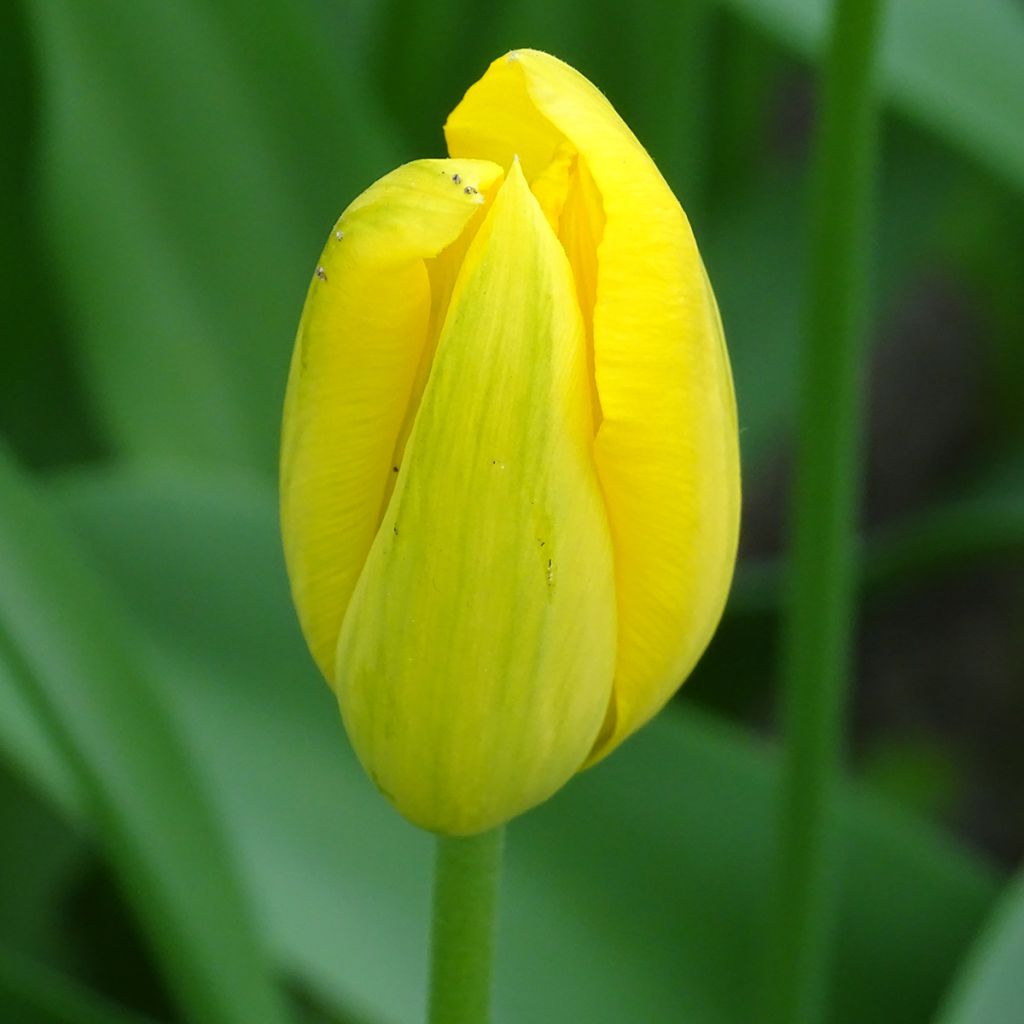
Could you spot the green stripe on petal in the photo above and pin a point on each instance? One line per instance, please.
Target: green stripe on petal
(476, 658)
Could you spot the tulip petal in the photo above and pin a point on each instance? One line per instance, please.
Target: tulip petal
(354, 373)
(666, 448)
(476, 658)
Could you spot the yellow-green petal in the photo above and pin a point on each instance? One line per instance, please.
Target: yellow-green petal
(476, 658)
(666, 448)
(353, 375)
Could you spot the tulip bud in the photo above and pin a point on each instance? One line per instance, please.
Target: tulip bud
(509, 469)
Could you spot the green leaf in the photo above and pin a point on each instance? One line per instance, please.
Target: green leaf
(39, 856)
(193, 158)
(28, 742)
(33, 994)
(636, 894)
(990, 986)
(64, 645)
(954, 68)
(34, 356)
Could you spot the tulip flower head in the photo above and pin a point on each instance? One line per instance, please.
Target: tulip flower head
(509, 469)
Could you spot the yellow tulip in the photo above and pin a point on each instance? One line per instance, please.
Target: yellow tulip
(509, 470)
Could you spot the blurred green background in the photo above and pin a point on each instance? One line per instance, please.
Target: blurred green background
(184, 828)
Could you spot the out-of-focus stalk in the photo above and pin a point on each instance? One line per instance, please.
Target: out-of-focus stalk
(819, 621)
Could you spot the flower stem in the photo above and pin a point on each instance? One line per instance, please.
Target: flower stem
(818, 628)
(466, 876)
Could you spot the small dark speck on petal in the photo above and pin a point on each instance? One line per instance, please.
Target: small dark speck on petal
(469, 190)
(457, 178)
(321, 273)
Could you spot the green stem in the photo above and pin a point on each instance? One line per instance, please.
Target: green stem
(818, 629)
(462, 939)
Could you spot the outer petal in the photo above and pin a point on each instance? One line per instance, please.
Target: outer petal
(354, 368)
(666, 449)
(476, 658)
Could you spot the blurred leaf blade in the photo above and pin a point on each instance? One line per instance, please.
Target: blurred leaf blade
(38, 859)
(28, 745)
(650, 907)
(957, 68)
(183, 209)
(950, 66)
(69, 649)
(990, 987)
(38, 362)
(37, 994)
